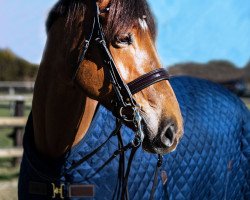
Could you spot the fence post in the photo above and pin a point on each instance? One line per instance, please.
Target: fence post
(12, 104)
(18, 131)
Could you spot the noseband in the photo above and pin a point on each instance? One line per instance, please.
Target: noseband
(122, 103)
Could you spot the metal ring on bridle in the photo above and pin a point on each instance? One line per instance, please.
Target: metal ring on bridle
(136, 142)
(124, 117)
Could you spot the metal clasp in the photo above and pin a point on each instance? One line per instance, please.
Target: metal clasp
(137, 121)
(57, 191)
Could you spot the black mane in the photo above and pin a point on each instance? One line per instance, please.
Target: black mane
(122, 15)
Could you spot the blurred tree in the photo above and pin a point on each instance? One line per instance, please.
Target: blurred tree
(14, 68)
(216, 70)
(247, 72)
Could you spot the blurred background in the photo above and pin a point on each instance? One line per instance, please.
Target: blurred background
(208, 39)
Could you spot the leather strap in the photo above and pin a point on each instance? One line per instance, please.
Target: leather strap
(148, 79)
(61, 191)
(81, 191)
(155, 181)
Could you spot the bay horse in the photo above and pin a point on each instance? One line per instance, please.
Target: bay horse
(97, 52)
(73, 147)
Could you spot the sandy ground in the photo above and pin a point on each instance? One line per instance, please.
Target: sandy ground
(8, 190)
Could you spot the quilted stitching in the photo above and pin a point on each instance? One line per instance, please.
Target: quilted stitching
(212, 160)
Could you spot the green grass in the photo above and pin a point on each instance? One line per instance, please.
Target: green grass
(4, 110)
(5, 140)
(7, 170)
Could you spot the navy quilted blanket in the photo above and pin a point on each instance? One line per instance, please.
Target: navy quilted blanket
(212, 160)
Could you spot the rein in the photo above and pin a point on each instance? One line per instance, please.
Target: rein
(121, 188)
(123, 101)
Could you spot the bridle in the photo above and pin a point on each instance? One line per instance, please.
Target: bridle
(122, 104)
(123, 92)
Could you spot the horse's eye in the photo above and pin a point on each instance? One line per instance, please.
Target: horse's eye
(123, 40)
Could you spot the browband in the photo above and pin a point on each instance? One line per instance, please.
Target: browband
(148, 79)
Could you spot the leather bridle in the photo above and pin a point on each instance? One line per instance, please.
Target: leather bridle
(123, 92)
(123, 101)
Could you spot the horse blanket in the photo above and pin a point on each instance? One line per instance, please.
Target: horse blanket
(212, 160)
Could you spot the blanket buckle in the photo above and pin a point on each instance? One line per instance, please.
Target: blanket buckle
(57, 191)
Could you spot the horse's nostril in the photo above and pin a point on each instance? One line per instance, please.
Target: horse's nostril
(167, 137)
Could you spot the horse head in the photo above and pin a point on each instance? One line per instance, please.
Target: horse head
(129, 32)
(103, 51)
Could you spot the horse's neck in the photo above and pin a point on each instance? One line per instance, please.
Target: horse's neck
(61, 115)
(61, 111)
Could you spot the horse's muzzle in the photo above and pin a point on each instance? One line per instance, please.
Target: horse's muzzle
(165, 141)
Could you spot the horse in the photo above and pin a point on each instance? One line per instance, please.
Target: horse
(76, 148)
(97, 53)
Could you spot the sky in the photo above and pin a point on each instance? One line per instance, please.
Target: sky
(188, 30)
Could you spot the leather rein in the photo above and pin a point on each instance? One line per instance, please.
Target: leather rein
(123, 101)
